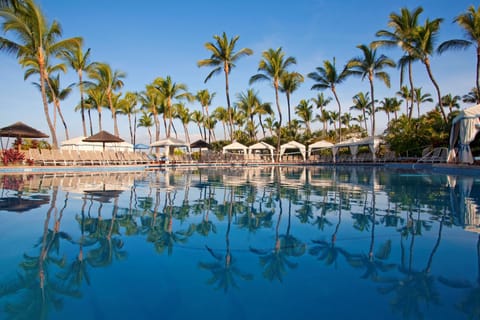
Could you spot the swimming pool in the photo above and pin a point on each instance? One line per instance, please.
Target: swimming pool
(240, 243)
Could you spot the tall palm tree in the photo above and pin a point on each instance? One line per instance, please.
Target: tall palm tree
(406, 94)
(109, 81)
(224, 58)
(328, 77)
(146, 122)
(247, 104)
(390, 105)
(289, 82)
(97, 99)
(183, 114)
(79, 62)
(362, 102)
(37, 40)
(470, 22)
(272, 68)
(425, 36)
(304, 110)
(404, 27)
(221, 114)
(198, 118)
(371, 66)
(127, 106)
(321, 101)
(55, 94)
(205, 98)
(169, 91)
(150, 100)
(420, 98)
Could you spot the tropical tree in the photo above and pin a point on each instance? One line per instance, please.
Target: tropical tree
(96, 99)
(451, 102)
(169, 91)
(420, 98)
(127, 106)
(36, 39)
(272, 68)
(247, 104)
(289, 82)
(323, 117)
(470, 22)
(151, 101)
(183, 114)
(79, 61)
(223, 58)
(371, 66)
(321, 101)
(472, 97)
(406, 94)
(205, 98)
(404, 27)
(198, 118)
(55, 94)
(328, 77)
(362, 102)
(109, 81)
(390, 105)
(221, 114)
(146, 122)
(304, 110)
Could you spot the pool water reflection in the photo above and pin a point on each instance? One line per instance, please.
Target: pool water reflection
(240, 243)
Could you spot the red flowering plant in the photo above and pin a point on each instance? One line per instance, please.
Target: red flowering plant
(11, 156)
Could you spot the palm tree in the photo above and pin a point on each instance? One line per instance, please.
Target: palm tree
(248, 104)
(472, 97)
(55, 94)
(424, 47)
(323, 117)
(198, 118)
(289, 82)
(223, 58)
(451, 102)
(221, 114)
(263, 108)
(369, 65)
(403, 35)
(151, 101)
(169, 91)
(146, 122)
(97, 99)
(37, 40)
(470, 22)
(205, 98)
(304, 111)
(183, 114)
(79, 62)
(362, 102)
(390, 105)
(320, 101)
(272, 68)
(109, 81)
(127, 106)
(406, 94)
(327, 77)
(420, 98)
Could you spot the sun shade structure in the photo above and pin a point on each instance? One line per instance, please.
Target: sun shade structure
(169, 144)
(465, 127)
(294, 145)
(373, 144)
(235, 146)
(78, 143)
(322, 144)
(21, 130)
(103, 137)
(262, 146)
(201, 144)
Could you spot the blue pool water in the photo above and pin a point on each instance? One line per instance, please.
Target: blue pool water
(240, 243)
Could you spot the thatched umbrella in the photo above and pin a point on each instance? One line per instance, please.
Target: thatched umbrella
(104, 137)
(21, 130)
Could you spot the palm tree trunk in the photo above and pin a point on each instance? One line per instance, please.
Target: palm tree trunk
(339, 114)
(157, 126)
(57, 106)
(114, 114)
(130, 127)
(426, 62)
(229, 107)
(373, 103)
(288, 106)
(90, 121)
(478, 73)
(99, 109)
(410, 79)
(277, 101)
(82, 103)
(43, 80)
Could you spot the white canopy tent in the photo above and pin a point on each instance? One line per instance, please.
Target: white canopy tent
(294, 145)
(262, 146)
(465, 127)
(322, 144)
(353, 144)
(235, 146)
(78, 144)
(170, 144)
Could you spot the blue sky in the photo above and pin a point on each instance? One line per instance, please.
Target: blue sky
(149, 38)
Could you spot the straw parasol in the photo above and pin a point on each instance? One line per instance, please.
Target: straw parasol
(201, 144)
(103, 137)
(21, 130)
